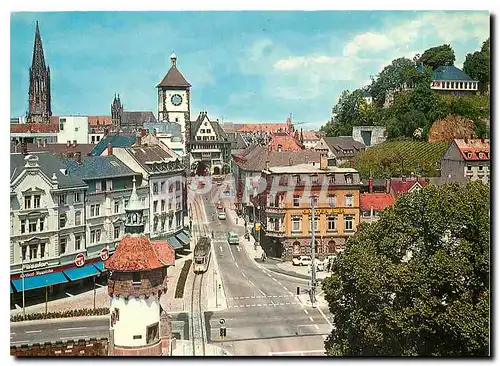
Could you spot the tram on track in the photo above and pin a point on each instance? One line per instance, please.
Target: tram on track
(202, 252)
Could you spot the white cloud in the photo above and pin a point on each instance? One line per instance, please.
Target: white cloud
(368, 41)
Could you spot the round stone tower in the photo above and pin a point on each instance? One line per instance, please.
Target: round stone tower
(137, 278)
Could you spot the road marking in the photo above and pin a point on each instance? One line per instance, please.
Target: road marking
(305, 311)
(284, 288)
(268, 275)
(250, 282)
(236, 264)
(262, 292)
(259, 304)
(78, 328)
(281, 303)
(316, 325)
(275, 296)
(295, 352)
(324, 316)
(274, 279)
(244, 275)
(311, 319)
(253, 305)
(12, 333)
(67, 293)
(74, 337)
(290, 293)
(220, 247)
(252, 297)
(238, 248)
(247, 306)
(33, 331)
(264, 304)
(306, 325)
(27, 342)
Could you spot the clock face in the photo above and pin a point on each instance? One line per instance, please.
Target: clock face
(176, 99)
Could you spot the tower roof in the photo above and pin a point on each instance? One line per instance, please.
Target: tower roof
(174, 78)
(38, 61)
(134, 201)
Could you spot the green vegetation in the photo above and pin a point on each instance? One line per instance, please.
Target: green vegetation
(415, 107)
(400, 157)
(60, 314)
(416, 283)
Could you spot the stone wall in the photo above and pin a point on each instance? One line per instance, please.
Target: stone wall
(152, 282)
(92, 347)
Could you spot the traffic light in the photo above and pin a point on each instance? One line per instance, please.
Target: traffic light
(222, 332)
(298, 290)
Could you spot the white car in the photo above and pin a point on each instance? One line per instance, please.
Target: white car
(303, 260)
(320, 265)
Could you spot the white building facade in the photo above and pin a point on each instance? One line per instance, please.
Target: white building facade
(73, 128)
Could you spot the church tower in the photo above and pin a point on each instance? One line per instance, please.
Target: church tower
(116, 113)
(39, 90)
(174, 100)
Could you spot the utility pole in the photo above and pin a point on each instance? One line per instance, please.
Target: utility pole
(254, 217)
(313, 255)
(22, 274)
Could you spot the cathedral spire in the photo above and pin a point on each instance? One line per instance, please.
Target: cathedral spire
(38, 62)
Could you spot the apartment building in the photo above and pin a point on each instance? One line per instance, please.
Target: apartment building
(287, 204)
(467, 159)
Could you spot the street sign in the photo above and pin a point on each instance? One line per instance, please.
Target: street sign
(222, 321)
(80, 260)
(104, 254)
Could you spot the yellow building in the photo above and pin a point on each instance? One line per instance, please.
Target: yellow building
(287, 210)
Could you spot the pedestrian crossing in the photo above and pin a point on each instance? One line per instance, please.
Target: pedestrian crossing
(259, 297)
(273, 304)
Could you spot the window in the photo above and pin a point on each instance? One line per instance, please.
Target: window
(126, 203)
(296, 202)
(331, 179)
(36, 203)
(332, 223)
(209, 130)
(162, 187)
(298, 181)
(62, 220)
(32, 226)
(155, 206)
(61, 126)
(33, 251)
(155, 188)
(316, 224)
(315, 201)
(78, 197)
(27, 202)
(116, 206)
(23, 226)
(348, 178)
(95, 236)
(162, 205)
(62, 245)
(348, 222)
(169, 204)
(136, 278)
(296, 247)
(480, 168)
(23, 252)
(332, 200)
(348, 200)
(62, 199)
(78, 218)
(469, 168)
(152, 334)
(170, 188)
(42, 221)
(78, 242)
(270, 199)
(177, 186)
(178, 203)
(314, 179)
(116, 232)
(295, 223)
(42, 250)
(95, 210)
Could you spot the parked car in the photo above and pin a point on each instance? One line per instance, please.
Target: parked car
(303, 260)
(320, 265)
(221, 215)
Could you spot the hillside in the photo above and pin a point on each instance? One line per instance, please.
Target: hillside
(389, 158)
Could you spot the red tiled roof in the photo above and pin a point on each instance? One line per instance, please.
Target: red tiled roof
(34, 128)
(164, 252)
(84, 149)
(134, 253)
(310, 135)
(399, 187)
(474, 149)
(262, 127)
(99, 120)
(287, 142)
(378, 201)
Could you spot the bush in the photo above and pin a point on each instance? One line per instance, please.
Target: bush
(181, 282)
(60, 314)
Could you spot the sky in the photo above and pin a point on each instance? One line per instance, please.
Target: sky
(243, 66)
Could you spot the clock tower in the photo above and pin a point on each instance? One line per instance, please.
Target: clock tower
(174, 104)
(134, 212)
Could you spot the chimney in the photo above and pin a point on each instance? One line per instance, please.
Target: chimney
(78, 156)
(138, 140)
(323, 162)
(74, 143)
(38, 142)
(352, 164)
(68, 143)
(45, 143)
(24, 148)
(110, 148)
(267, 165)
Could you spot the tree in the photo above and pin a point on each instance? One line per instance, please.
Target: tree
(416, 283)
(346, 113)
(395, 76)
(438, 56)
(477, 65)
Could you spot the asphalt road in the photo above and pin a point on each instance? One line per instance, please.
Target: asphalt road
(264, 315)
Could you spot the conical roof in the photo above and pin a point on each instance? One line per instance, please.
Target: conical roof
(174, 78)
(134, 203)
(38, 61)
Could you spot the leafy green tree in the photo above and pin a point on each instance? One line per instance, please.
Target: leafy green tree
(350, 110)
(477, 65)
(399, 73)
(416, 283)
(438, 56)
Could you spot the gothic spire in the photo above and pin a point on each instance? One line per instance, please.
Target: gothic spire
(38, 62)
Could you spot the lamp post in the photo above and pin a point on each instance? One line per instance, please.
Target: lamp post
(22, 280)
(313, 254)
(94, 288)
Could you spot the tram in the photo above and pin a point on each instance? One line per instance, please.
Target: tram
(201, 254)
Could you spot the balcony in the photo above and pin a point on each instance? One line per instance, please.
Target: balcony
(275, 233)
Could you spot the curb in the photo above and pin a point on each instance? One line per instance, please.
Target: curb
(59, 320)
(292, 274)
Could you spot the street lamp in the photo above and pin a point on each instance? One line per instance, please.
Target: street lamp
(313, 254)
(94, 287)
(22, 280)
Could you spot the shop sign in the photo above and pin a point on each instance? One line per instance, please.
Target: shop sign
(29, 266)
(318, 211)
(104, 254)
(37, 273)
(80, 260)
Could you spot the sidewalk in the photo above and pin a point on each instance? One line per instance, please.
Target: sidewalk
(184, 348)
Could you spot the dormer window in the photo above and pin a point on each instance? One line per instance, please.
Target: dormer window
(280, 148)
(348, 178)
